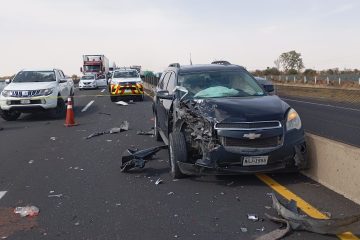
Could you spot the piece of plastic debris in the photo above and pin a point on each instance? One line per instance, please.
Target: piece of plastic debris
(108, 114)
(124, 126)
(51, 191)
(133, 158)
(237, 198)
(253, 217)
(170, 193)
(230, 183)
(53, 138)
(222, 193)
(76, 168)
(31, 161)
(27, 211)
(175, 215)
(267, 207)
(243, 229)
(297, 221)
(277, 233)
(109, 140)
(55, 195)
(260, 229)
(150, 132)
(77, 224)
(122, 103)
(159, 181)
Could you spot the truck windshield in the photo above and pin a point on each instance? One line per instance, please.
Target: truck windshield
(126, 74)
(92, 68)
(35, 76)
(220, 84)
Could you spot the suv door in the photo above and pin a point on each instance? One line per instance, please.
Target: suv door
(159, 107)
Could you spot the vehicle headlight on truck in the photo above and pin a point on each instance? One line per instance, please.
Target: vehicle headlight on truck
(293, 120)
(46, 92)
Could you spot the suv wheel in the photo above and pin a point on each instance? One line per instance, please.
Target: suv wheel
(177, 152)
(10, 115)
(59, 111)
(156, 131)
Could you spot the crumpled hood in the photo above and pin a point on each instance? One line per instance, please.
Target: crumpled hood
(122, 80)
(250, 109)
(14, 86)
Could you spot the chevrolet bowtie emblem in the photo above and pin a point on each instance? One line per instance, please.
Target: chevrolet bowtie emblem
(252, 136)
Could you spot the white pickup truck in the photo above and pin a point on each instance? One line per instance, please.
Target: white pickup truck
(34, 90)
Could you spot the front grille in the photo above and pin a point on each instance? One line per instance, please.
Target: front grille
(255, 143)
(249, 125)
(18, 102)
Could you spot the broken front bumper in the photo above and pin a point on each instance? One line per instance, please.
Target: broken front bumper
(126, 89)
(289, 157)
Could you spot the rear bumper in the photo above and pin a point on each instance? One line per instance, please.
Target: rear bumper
(134, 89)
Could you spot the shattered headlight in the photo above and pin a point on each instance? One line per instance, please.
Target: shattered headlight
(293, 120)
(6, 93)
(46, 92)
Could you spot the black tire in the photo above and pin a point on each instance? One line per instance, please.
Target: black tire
(113, 98)
(156, 131)
(10, 115)
(60, 109)
(177, 152)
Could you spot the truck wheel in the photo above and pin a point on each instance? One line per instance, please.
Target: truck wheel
(113, 99)
(10, 115)
(177, 152)
(156, 130)
(59, 111)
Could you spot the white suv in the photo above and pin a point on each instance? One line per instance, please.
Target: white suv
(36, 90)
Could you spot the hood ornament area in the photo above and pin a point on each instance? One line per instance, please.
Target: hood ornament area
(252, 136)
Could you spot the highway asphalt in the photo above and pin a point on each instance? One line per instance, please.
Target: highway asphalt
(335, 121)
(81, 193)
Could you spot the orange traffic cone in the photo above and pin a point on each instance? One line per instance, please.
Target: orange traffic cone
(70, 121)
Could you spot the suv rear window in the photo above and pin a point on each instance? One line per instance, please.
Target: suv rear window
(220, 84)
(35, 76)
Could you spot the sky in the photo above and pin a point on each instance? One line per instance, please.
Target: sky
(52, 33)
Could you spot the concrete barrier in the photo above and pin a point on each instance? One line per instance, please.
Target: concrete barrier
(335, 165)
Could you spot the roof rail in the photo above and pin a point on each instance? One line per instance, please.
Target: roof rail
(175, 65)
(221, 62)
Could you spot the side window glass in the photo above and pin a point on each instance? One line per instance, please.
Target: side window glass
(161, 81)
(171, 85)
(57, 73)
(166, 80)
(62, 74)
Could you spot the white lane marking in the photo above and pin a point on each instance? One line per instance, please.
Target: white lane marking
(103, 90)
(87, 106)
(2, 194)
(321, 104)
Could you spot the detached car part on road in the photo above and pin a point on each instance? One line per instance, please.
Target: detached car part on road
(126, 83)
(36, 90)
(218, 120)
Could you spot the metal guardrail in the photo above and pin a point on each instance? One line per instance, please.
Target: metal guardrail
(151, 80)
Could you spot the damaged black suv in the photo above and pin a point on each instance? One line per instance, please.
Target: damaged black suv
(217, 119)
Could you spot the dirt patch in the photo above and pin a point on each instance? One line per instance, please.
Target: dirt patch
(11, 223)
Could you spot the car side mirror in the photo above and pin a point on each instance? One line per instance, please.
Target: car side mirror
(181, 90)
(7, 81)
(164, 95)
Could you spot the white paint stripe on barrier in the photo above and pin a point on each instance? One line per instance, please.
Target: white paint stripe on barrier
(87, 106)
(2, 194)
(321, 104)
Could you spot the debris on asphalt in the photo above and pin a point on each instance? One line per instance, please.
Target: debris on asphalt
(55, 195)
(230, 183)
(253, 217)
(170, 193)
(77, 224)
(124, 126)
(103, 113)
(122, 103)
(31, 161)
(150, 132)
(298, 221)
(268, 207)
(53, 138)
(159, 181)
(134, 158)
(27, 211)
(243, 229)
(277, 233)
(260, 229)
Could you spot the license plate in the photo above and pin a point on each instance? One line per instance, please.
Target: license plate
(255, 160)
(25, 101)
(128, 91)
